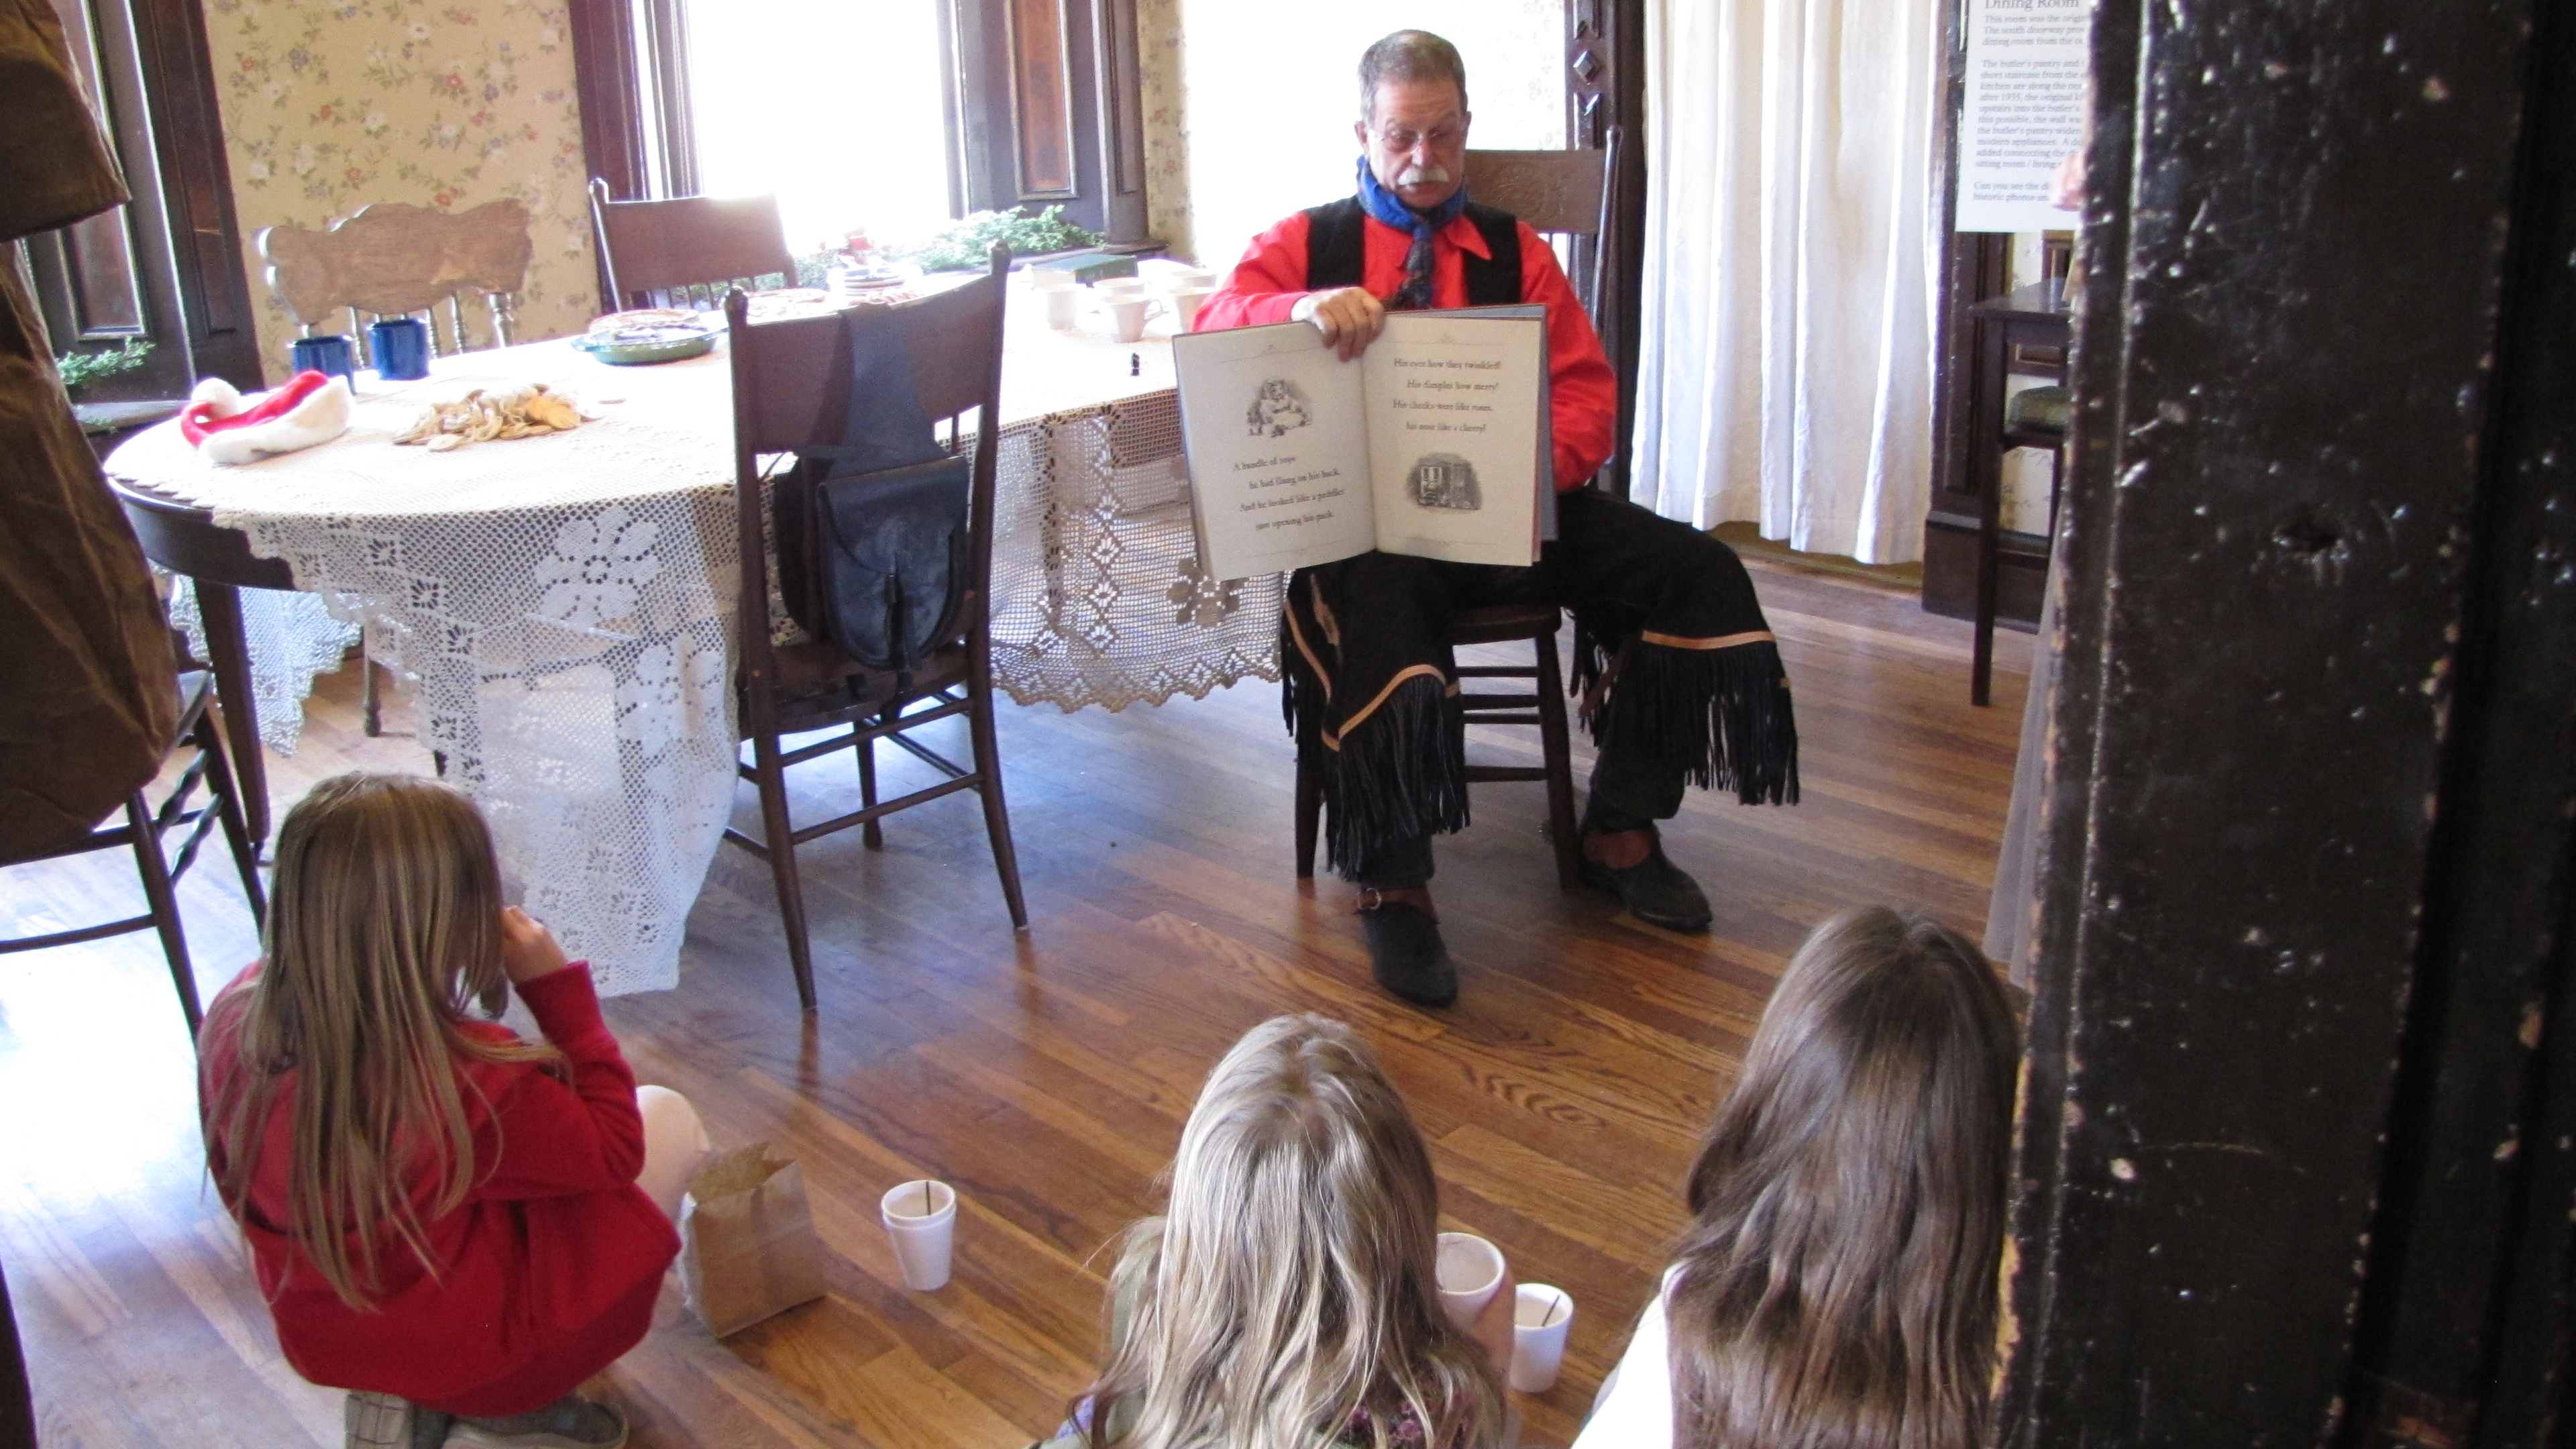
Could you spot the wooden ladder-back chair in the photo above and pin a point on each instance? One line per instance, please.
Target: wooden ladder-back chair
(392, 259)
(678, 252)
(791, 382)
(145, 833)
(1562, 193)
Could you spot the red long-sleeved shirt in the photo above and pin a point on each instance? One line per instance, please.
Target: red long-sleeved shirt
(548, 1269)
(1583, 414)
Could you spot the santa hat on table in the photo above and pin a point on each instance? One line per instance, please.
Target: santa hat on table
(229, 428)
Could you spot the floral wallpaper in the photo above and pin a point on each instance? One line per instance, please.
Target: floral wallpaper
(330, 105)
(1167, 132)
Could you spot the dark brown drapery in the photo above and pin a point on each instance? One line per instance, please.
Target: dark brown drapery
(87, 700)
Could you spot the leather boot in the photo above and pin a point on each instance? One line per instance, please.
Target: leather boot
(1405, 951)
(1654, 890)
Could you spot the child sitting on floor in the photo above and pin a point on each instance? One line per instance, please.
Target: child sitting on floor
(1837, 1284)
(457, 1226)
(1286, 1298)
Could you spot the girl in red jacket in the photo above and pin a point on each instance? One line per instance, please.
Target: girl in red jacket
(455, 1225)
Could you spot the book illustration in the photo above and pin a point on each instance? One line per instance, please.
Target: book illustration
(1279, 406)
(1432, 442)
(1445, 480)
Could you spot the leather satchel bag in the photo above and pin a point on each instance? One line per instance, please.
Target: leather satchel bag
(872, 532)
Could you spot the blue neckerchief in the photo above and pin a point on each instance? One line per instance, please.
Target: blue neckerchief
(1387, 207)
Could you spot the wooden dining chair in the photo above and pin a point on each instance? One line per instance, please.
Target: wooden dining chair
(392, 259)
(791, 384)
(1557, 193)
(686, 251)
(145, 832)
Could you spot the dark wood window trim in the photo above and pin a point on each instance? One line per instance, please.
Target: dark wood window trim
(630, 60)
(1045, 105)
(166, 267)
(1605, 86)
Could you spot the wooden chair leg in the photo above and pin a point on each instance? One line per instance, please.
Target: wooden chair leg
(227, 806)
(1310, 809)
(219, 609)
(869, 834)
(370, 701)
(780, 836)
(1559, 756)
(988, 765)
(155, 870)
(227, 803)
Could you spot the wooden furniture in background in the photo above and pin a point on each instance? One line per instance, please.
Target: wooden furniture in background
(145, 832)
(1543, 708)
(166, 268)
(791, 390)
(2025, 333)
(218, 562)
(1046, 1073)
(671, 253)
(1605, 97)
(1046, 106)
(1557, 194)
(394, 259)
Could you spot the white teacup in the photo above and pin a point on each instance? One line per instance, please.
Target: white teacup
(1064, 305)
(1186, 302)
(1050, 279)
(1115, 287)
(1127, 316)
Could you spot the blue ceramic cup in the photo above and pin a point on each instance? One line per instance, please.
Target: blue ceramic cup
(401, 346)
(332, 355)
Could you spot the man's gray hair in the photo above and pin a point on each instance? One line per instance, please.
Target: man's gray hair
(1409, 55)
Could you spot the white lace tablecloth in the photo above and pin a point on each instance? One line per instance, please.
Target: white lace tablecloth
(564, 604)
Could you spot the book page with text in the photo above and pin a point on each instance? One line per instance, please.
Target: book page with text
(1278, 454)
(1453, 432)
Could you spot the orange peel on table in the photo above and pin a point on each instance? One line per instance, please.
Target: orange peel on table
(482, 417)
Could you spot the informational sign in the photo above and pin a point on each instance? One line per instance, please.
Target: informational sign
(2023, 113)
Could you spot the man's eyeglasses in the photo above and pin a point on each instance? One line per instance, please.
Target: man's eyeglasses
(1440, 138)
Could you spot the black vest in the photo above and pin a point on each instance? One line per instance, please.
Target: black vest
(1334, 256)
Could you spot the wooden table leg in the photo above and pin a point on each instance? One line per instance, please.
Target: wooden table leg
(219, 606)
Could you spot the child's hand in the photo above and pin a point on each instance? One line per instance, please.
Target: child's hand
(1493, 1325)
(528, 949)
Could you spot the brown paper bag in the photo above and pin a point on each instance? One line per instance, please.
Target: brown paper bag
(747, 1244)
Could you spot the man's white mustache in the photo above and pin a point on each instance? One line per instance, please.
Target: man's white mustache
(1423, 176)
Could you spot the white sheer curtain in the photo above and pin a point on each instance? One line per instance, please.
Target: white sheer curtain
(1786, 375)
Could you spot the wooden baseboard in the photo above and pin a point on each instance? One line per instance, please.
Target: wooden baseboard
(1746, 538)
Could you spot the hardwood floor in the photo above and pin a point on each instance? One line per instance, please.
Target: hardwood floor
(1045, 1075)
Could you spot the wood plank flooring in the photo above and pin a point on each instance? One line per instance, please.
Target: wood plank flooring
(1045, 1075)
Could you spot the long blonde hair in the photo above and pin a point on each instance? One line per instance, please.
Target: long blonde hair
(1290, 1282)
(1837, 1287)
(384, 923)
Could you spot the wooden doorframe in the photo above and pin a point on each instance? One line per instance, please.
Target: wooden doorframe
(1605, 86)
(630, 65)
(2298, 1147)
(172, 256)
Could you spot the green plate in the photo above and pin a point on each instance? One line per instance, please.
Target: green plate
(640, 346)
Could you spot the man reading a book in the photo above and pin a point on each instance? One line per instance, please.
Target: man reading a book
(1680, 676)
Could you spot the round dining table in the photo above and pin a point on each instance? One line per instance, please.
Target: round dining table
(563, 605)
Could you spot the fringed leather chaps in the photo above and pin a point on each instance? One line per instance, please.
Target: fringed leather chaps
(1675, 663)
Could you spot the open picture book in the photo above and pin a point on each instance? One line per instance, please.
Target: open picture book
(1434, 441)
